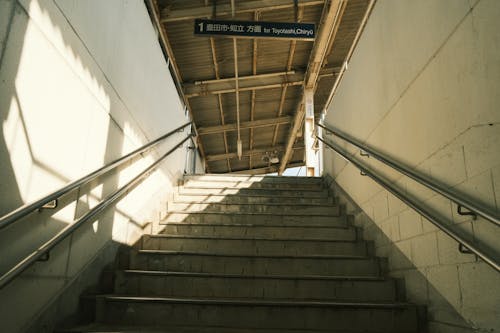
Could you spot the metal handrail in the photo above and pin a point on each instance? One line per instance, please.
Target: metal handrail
(26, 209)
(461, 202)
(62, 234)
(490, 260)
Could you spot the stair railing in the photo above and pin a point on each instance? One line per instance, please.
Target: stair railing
(461, 202)
(42, 253)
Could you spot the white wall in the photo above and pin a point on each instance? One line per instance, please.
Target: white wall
(81, 84)
(423, 87)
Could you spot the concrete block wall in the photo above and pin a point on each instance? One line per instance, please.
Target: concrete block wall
(81, 84)
(422, 87)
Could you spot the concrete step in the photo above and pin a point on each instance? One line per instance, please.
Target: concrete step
(255, 208)
(211, 262)
(253, 192)
(201, 183)
(262, 246)
(260, 230)
(107, 328)
(247, 313)
(245, 199)
(181, 284)
(254, 178)
(255, 218)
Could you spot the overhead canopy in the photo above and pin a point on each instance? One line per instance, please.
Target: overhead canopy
(252, 88)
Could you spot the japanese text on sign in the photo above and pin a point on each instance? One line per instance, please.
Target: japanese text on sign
(304, 31)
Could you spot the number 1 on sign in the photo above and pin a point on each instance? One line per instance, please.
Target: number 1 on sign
(201, 26)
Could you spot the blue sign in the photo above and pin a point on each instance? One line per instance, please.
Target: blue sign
(255, 29)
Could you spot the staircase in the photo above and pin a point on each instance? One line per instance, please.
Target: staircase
(253, 254)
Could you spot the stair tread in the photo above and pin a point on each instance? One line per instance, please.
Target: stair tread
(262, 195)
(211, 187)
(314, 204)
(256, 225)
(255, 301)
(255, 192)
(106, 328)
(277, 239)
(203, 253)
(239, 276)
(176, 211)
(222, 203)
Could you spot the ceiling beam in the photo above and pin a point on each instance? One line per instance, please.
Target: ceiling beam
(291, 53)
(330, 20)
(244, 125)
(245, 83)
(265, 170)
(191, 9)
(247, 153)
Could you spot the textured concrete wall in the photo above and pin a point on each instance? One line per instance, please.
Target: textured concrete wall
(423, 88)
(81, 84)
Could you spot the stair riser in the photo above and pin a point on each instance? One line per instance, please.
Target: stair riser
(250, 232)
(272, 220)
(161, 314)
(253, 185)
(255, 265)
(254, 192)
(239, 199)
(255, 209)
(182, 286)
(251, 247)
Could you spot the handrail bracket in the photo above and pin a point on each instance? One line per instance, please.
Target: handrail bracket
(463, 249)
(462, 212)
(45, 257)
(50, 205)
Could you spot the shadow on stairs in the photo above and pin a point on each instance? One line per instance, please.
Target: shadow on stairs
(252, 254)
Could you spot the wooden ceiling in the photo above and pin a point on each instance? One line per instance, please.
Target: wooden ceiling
(263, 106)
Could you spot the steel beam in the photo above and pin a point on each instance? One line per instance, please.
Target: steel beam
(244, 125)
(330, 20)
(245, 83)
(266, 170)
(246, 153)
(191, 9)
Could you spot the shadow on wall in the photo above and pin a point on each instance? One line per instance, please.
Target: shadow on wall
(450, 283)
(33, 135)
(56, 126)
